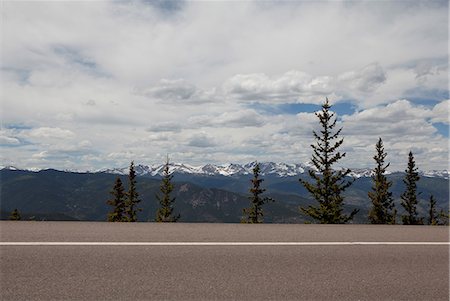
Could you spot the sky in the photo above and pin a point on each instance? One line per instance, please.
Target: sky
(90, 85)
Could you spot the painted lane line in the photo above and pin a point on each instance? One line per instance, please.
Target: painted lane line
(79, 243)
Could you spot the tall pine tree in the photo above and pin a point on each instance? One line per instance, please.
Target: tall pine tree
(329, 184)
(118, 203)
(433, 219)
(409, 197)
(382, 200)
(132, 196)
(254, 214)
(166, 202)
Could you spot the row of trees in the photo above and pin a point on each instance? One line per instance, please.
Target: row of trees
(124, 203)
(329, 184)
(327, 187)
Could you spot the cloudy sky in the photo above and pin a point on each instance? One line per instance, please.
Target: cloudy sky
(90, 85)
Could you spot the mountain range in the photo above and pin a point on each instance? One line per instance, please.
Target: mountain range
(228, 170)
(234, 170)
(209, 193)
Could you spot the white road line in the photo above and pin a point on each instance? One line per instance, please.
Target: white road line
(324, 243)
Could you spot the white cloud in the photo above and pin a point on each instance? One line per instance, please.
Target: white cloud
(178, 91)
(49, 132)
(40, 155)
(5, 140)
(142, 80)
(127, 155)
(238, 119)
(207, 42)
(367, 86)
(397, 112)
(85, 144)
(293, 86)
(165, 127)
(441, 111)
(400, 121)
(403, 127)
(367, 79)
(201, 140)
(90, 102)
(234, 117)
(172, 90)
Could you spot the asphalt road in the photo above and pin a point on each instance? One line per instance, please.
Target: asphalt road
(222, 272)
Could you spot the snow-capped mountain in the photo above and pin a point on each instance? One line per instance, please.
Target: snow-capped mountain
(228, 170)
(435, 174)
(362, 172)
(232, 169)
(279, 169)
(10, 167)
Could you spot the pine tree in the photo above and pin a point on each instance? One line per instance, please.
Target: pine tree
(329, 183)
(443, 217)
(15, 215)
(118, 203)
(409, 197)
(254, 214)
(132, 196)
(433, 219)
(382, 200)
(394, 216)
(166, 202)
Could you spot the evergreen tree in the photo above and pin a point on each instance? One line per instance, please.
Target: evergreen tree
(15, 215)
(166, 202)
(394, 216)
(443, 217)
(432, 217)
(118, 203)
(409, 197)
(382, 200)
(254, 214)
(329, 184)
(132, 196)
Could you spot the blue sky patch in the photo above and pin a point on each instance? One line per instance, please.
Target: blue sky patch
(23, 75)
(428, 102)
(166, 6)
(21, 142)
(342, 108)
(426, 97)
(442, 128)
(75, 57)
(13, 126)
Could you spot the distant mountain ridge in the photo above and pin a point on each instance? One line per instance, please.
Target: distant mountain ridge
(234, 170)
(62, 195)
(227, 170)
(267, 168)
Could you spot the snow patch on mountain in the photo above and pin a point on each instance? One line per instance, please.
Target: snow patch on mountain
(235, 170)
(227, 170)
(435, 174)
(361, 173)
(10, 167)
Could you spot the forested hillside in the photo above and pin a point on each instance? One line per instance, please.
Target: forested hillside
(58, 195)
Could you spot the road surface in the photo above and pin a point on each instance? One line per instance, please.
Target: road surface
(148, 261)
